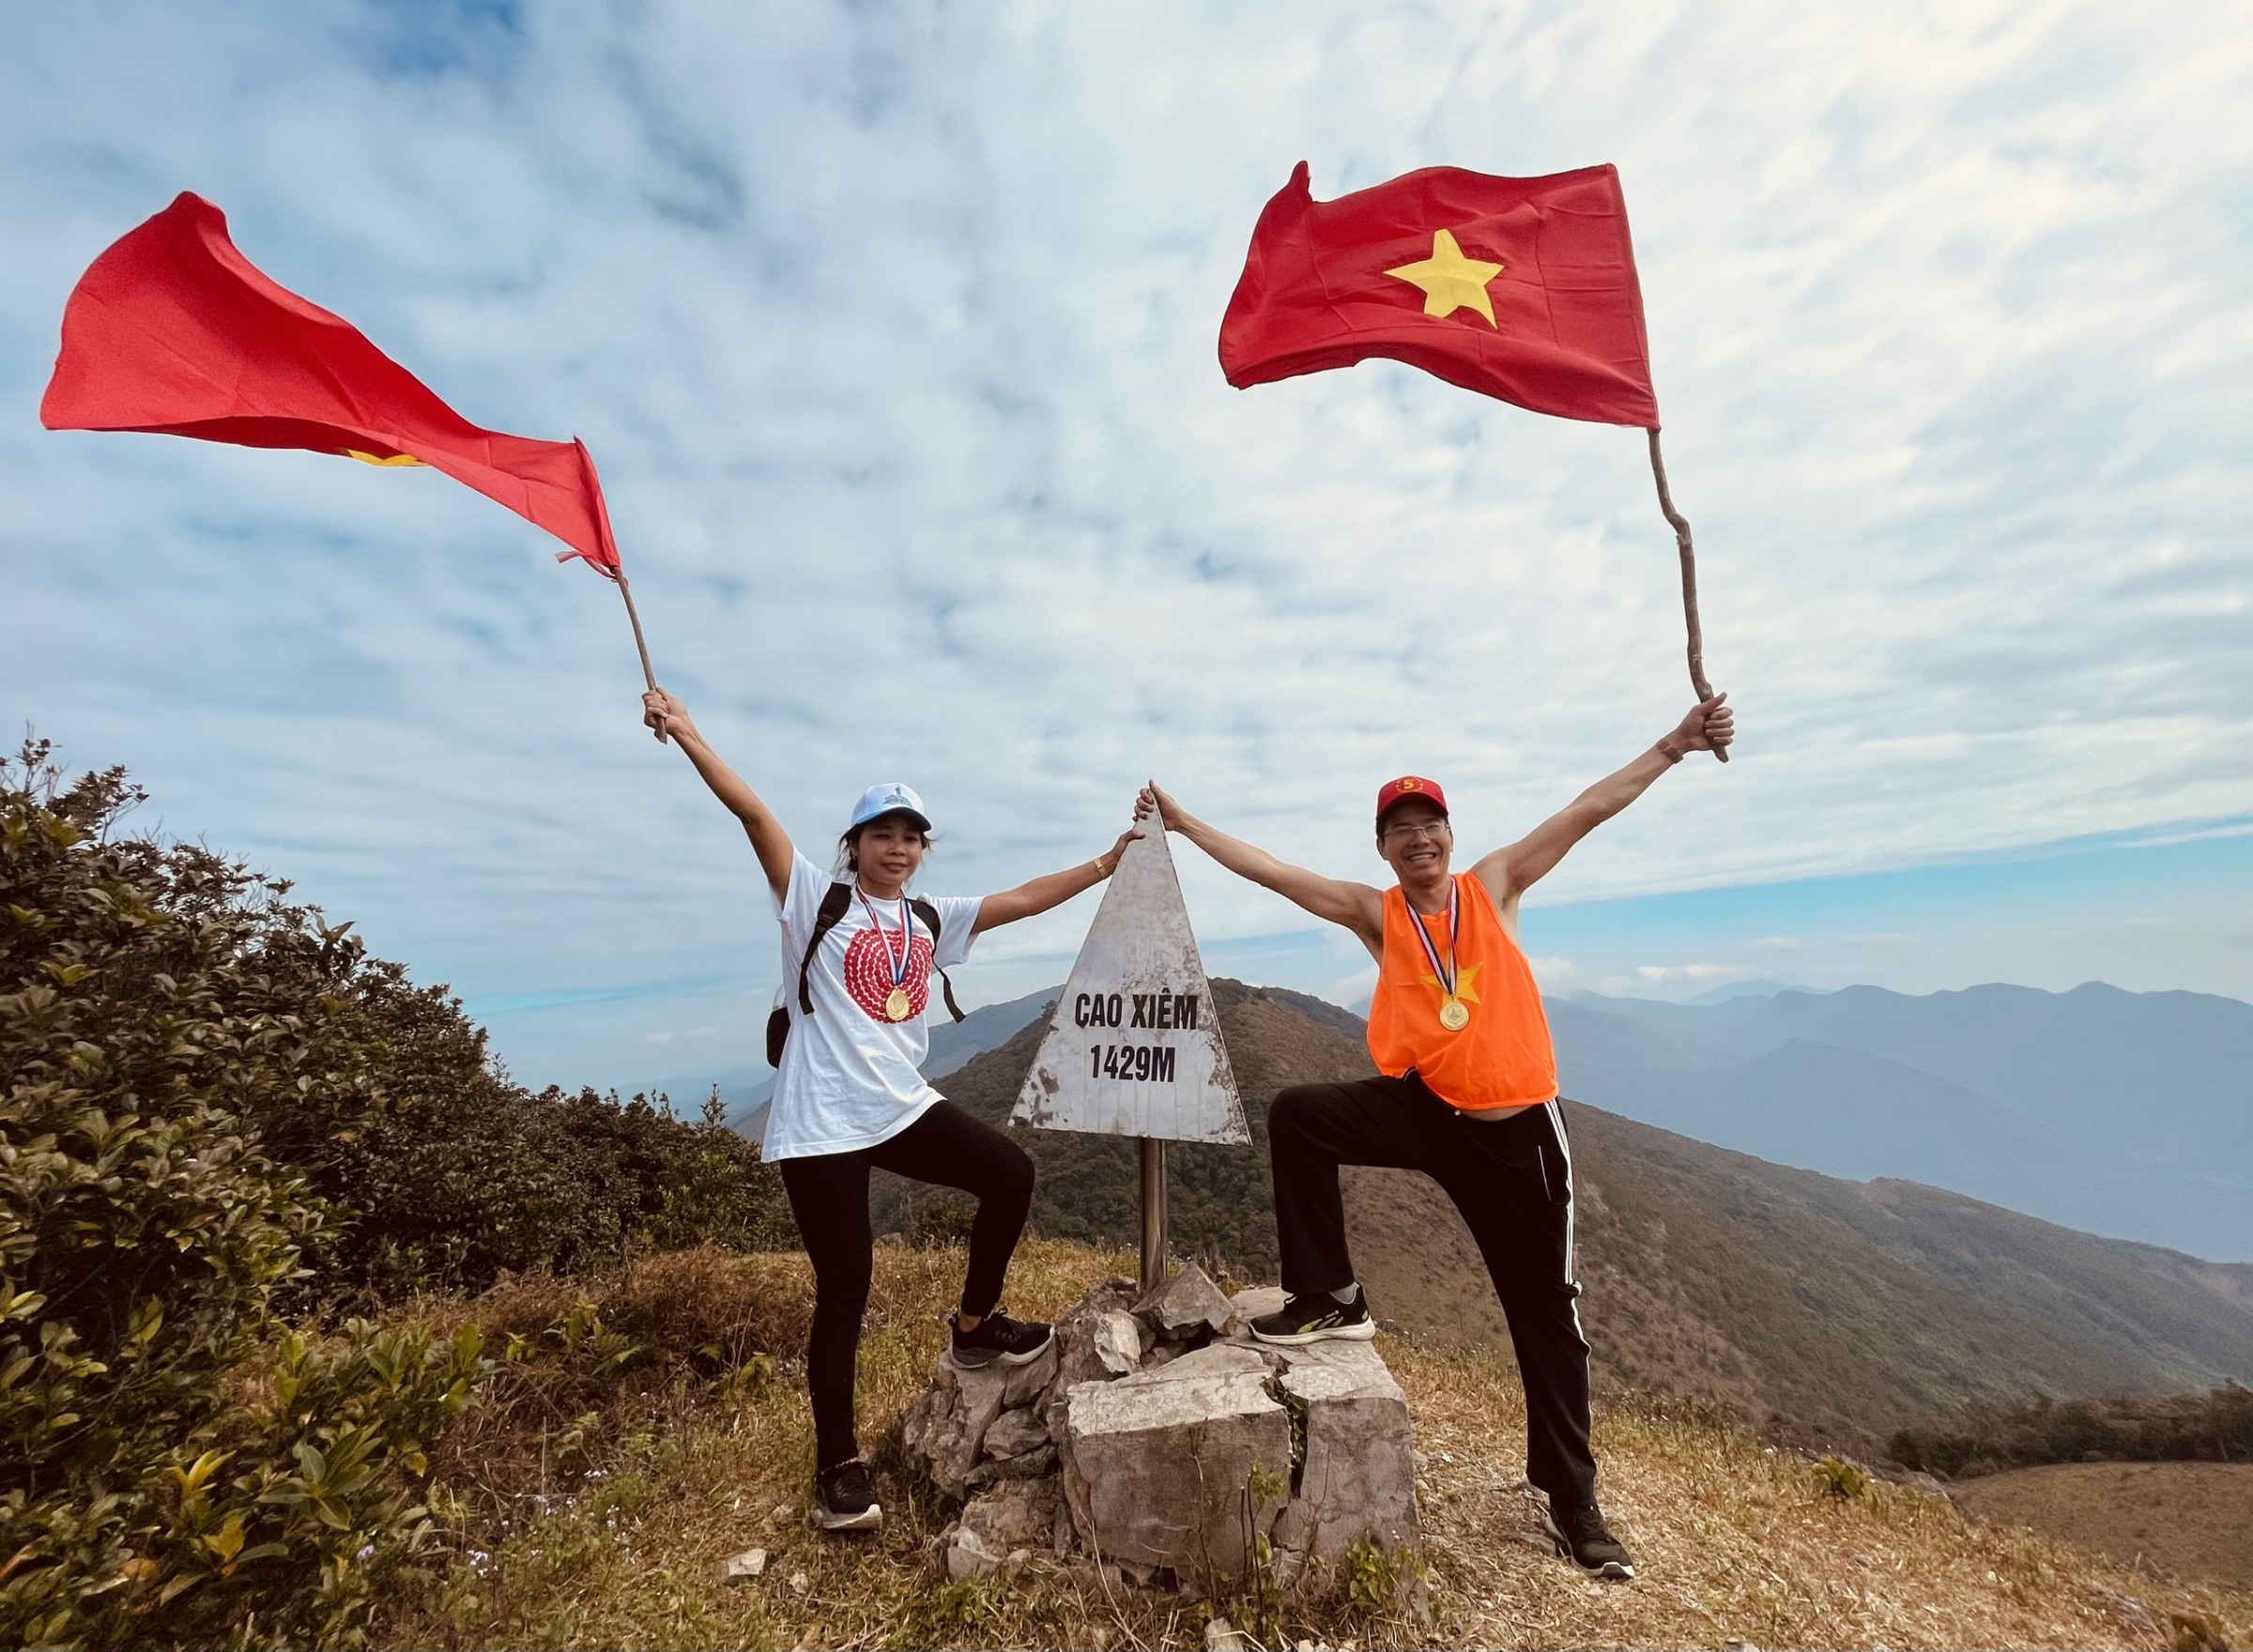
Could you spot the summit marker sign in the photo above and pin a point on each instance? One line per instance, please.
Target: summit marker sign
(1133, 1047)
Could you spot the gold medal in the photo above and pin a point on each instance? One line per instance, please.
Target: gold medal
(1454, 1015)
(896, 1007)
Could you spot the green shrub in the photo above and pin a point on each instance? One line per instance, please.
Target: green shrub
(216, 1106)
(313, 1495)
(459, 1186)
(154, 1003)
(1835, 1476)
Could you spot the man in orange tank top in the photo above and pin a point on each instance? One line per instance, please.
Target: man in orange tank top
(1467, 1095)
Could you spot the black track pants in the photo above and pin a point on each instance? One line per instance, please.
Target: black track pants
(1512, 1181)
(829, 1196)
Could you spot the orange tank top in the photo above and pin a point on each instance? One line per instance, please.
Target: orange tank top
(1502, 1057)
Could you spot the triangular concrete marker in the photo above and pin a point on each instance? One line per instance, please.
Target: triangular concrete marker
(1134, 1046)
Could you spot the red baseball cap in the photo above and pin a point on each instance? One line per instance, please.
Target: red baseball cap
(1406, 786)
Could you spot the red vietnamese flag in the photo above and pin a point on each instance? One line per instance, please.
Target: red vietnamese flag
(174, 330)
(1520, 288)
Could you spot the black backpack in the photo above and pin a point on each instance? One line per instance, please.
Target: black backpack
(833, 906)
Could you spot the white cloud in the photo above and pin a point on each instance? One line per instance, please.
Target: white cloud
(892, 330)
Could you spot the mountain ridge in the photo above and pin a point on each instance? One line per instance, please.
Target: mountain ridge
(2035, 1100)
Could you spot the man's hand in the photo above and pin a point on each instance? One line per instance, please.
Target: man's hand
(1153, 802)
(1707, 727)
(666, 714)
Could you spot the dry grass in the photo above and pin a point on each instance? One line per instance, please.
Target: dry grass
(2194, 1519)
(1735, 1540)
(597, 1509)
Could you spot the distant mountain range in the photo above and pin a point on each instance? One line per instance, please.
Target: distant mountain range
(1823, 1308)
(2122, 1113)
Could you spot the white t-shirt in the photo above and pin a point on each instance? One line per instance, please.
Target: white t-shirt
(848, 1076)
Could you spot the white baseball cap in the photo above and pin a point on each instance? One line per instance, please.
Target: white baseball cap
(887, 798)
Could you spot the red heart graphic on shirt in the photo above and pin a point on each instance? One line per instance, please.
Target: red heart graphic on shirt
(868, 972)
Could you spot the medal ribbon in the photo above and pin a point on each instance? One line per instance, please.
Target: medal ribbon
(907, 938)
(1446, 977)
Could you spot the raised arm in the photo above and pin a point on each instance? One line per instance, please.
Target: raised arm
(1508, 872)
(1357, 905)
(1032, 898)
(772, 844)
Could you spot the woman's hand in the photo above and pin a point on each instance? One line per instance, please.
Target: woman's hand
(1110, 861)
(1707, 727)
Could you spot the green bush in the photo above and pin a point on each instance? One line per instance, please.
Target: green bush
(156, 1005)
(312, 1496)
(458, 1187)
(216, 1108)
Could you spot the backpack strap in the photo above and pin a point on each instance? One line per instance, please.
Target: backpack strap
(929, 914)
(835, 904)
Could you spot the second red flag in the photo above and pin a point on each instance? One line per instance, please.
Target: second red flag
(1519, 288)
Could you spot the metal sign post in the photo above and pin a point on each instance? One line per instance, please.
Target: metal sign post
(1134, 1046)
(1154, 1213)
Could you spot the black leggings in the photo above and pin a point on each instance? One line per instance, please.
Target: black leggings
(829, 1196)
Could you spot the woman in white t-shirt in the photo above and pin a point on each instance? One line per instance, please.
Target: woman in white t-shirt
(848, 1096)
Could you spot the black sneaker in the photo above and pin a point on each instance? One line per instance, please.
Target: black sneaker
(997, 1338)
(1318, 1318)
(1590, 1542)
(845, 1499)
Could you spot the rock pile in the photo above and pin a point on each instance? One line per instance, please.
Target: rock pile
(1158, 1437)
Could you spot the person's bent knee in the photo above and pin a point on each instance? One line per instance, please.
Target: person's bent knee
(1294, 1108)
(1014, 1174)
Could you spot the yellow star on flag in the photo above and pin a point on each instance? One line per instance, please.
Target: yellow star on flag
(1450, 281)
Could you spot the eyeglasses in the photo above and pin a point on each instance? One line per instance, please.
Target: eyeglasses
(1409, 831)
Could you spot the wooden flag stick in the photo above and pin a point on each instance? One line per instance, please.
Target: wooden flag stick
(641, 646)
(1689, 554)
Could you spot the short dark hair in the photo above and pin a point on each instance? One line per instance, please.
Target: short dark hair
(849, 845)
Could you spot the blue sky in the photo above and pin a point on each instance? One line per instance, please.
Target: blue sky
(891, 327)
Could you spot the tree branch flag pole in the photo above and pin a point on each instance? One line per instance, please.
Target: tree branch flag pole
(171, 330)
(1688, 553)
(1522, 289)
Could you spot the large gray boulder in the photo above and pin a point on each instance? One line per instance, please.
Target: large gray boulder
(1358, 1480)
(1183, 1467)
